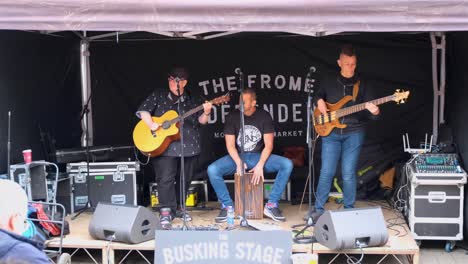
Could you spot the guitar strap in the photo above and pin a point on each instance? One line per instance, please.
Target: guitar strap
(356, 90)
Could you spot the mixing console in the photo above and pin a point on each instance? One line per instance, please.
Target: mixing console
(437, 163)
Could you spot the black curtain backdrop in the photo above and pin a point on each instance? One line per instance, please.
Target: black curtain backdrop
(457, 92)
(276, 66)
(39, 83)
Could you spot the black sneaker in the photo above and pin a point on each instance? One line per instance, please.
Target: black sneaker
(308, 214)
(165, 218)
(222, 216)
(316, 215)
(180, 214)
(274, 213)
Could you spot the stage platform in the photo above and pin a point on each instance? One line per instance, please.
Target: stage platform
(400, 246)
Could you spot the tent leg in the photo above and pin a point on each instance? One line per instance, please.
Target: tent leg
(87, 120)
(438, 43)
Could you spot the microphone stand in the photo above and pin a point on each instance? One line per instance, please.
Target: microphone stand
(243, 221)
(89, 204)
(311, 141)
(9, 146)
(182, 160)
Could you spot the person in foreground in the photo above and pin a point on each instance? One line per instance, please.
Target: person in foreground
(344, 143)
(258, 138)
(15, 248)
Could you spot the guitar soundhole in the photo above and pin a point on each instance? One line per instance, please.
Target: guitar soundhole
(166, 125)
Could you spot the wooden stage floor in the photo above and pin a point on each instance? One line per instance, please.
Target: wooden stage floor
(400, 244)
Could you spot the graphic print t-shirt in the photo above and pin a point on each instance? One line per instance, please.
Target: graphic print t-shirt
(255, 126)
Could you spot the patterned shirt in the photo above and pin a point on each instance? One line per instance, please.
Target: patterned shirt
(161, 101)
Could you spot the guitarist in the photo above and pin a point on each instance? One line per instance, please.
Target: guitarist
(342, 142)
(167, 166)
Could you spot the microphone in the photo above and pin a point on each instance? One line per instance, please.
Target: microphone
(238, 71)
(177, 79)
(312, 69)
(309, 79)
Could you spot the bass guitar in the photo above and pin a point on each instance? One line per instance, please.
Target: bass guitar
(154, 143)
(324, 124)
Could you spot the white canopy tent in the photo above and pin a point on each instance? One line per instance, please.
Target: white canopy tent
(309, 16)
(205, 19)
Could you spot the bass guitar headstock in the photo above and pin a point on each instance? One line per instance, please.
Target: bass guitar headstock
(400, 96)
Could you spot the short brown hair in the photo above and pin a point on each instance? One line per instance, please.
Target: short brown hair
(348, 50)
(250, 91)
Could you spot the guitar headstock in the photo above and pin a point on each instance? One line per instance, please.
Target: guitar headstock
(400, 96)
(222, 99)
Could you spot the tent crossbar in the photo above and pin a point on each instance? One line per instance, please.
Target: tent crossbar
(112, 34)
(315, 34)
(194, 33)
(174, 34)
(220, 34)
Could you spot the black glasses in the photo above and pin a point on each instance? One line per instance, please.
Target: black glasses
(173, 79)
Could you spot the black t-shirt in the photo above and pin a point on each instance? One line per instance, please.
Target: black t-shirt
(256, 126)
(333, 87)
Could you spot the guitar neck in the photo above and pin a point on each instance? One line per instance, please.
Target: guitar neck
(359, 107)
(186, 114)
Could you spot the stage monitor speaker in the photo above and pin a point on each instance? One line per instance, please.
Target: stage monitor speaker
(352, 228)
(124, 223)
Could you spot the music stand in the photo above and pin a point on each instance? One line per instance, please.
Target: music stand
(89, 204)
(311, 141)
(243, 220)
(182, 191)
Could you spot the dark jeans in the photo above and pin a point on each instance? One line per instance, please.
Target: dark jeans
(167, 170)
(348, 146)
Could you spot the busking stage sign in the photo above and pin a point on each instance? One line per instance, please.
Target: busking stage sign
(249, 247)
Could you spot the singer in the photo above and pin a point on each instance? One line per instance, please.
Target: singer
(166, 167)
(347, 142)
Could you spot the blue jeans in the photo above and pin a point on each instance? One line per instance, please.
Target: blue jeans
(348, 146)
(226, 166)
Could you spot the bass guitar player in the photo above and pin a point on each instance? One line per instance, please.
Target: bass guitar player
(346, 139)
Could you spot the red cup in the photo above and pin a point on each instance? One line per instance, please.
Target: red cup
(27, 156)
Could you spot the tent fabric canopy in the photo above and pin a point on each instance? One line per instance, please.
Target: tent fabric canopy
(301, 16)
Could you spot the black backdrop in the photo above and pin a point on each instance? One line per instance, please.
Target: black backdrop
(126, 72)
(457, 91)
(40, 84)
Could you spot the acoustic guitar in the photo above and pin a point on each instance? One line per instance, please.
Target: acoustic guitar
(154, 143)
(324, 124)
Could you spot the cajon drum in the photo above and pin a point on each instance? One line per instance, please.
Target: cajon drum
(253, 197)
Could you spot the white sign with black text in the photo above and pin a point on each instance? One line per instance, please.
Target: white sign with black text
(249, 247)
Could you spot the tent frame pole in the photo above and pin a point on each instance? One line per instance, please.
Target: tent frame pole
(438, 68)
(87, 121)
